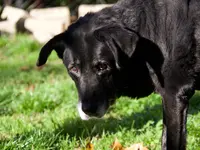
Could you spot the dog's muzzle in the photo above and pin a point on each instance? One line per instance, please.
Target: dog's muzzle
(99, 113)
(81, 113)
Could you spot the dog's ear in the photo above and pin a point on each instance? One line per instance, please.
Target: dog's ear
(118, 38)
(57, 44)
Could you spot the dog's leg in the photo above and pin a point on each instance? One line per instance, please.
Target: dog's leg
(175, 106)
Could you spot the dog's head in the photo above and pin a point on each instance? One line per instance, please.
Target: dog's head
(91, 56)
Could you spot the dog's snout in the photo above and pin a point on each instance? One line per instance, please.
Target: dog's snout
(89, 109)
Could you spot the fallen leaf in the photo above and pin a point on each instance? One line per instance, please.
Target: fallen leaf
(116, 145)
(30, 88)
(25, 68)
(89, 146)
(138, 146)
(40, 67)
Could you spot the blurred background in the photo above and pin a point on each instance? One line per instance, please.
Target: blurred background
(72, 4)
(44, 18)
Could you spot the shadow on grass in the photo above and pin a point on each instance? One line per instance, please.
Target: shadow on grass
(83, 129)
(194, 107)
(76, 128)
(35, 138)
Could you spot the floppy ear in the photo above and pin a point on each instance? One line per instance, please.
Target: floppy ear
(57, 44)
(118, 38)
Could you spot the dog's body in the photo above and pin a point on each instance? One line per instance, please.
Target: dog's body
(134, 48)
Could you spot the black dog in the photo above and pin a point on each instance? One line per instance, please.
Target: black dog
(132, 49)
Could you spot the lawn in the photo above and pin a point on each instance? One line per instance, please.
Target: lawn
(38, 108)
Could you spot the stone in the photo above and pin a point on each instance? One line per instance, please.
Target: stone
(84, 9)
(13, 14)
(56, 13)
(48, 22)
(42, 37)
(7, 27)
(42, 23)
(52, 26)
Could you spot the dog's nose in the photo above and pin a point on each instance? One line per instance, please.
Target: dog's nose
(89, 109)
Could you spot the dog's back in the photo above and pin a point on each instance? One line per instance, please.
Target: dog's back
(174, 25)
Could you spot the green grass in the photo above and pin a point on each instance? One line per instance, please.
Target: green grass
(38, 108)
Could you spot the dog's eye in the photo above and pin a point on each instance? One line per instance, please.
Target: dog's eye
(101, 67)
(75, 70)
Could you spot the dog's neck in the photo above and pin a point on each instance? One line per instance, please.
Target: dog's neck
(154, 59)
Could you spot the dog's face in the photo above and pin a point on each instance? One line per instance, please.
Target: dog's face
(91, 65)
(92, 59)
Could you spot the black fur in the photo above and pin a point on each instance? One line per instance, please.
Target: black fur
(134, 48)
